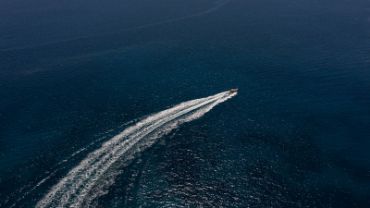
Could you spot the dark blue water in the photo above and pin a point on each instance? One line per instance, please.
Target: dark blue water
(297, 135)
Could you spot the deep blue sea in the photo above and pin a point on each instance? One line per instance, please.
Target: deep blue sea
(73, 74)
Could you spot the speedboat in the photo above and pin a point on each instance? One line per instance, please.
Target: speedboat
(233, 90)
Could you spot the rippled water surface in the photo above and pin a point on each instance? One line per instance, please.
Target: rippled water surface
(73, 74)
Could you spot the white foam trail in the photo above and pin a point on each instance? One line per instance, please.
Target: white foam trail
(75, 189)
(59, 166)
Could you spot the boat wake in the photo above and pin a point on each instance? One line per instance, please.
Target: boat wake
(94, 174)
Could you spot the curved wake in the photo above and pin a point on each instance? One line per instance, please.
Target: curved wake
(94, 174)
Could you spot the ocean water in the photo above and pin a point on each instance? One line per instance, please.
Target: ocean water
(73, 74)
